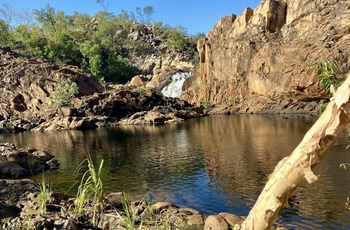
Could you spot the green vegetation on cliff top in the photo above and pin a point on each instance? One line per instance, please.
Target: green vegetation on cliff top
(103, 44)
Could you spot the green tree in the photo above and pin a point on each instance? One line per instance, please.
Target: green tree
(176, 41)
(29, 39)
(93, 60)
(198, 36)
(5, 35)
(145, 15)
(60, 46)
(148, 11)
(120, 69)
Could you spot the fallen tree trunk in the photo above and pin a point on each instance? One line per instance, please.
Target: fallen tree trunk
(291, 170)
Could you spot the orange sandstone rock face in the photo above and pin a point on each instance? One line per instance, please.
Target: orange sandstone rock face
(266, 54)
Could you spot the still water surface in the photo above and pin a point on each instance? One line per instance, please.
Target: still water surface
(212, 164)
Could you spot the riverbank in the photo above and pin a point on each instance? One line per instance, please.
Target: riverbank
(26, 204)
(212, 164)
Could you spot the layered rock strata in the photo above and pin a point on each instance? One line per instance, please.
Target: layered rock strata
(266, 53)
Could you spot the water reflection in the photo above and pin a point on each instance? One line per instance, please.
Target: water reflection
(212, 164)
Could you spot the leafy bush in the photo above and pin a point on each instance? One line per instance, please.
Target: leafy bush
(100, 43)
(175, 41)
(64, 91)
(205, 104)
(330, 74)
(120, 70)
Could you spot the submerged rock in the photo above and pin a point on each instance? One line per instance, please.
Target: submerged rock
(19, 163)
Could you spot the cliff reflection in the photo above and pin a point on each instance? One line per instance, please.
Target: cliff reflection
(243, 150)
(213, 164)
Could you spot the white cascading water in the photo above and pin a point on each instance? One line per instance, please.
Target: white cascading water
(174, 89)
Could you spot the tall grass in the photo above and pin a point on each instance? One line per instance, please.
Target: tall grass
(90, 190)
(44, 193)
(128, 219)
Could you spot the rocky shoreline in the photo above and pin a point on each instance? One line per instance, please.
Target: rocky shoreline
(26, 204)
(122, 106)
(29, 85)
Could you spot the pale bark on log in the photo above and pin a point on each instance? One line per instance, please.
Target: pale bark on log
(291, 170)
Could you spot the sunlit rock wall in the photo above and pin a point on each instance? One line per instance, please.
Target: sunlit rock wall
(268, 51)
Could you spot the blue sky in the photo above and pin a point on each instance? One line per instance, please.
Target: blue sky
(195, 15)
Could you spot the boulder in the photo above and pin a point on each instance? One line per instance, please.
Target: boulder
(18, 163)
(161, 206)
(12, 170)
(216, 222)
(232, 219)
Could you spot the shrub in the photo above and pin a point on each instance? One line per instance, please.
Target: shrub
(329, 73)
(176, 41)
(64, 91)
(205, 104)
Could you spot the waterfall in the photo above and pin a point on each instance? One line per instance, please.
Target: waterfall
(174, 89)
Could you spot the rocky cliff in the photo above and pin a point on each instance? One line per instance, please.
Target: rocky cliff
(158, 60)
(28, 86)
(260, 60)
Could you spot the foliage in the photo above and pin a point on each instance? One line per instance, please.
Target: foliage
(176, 38)
(205, 104)
(103, 82)
(44, 193)
(145, 15)
(92, 52)
(100, 43)
(194, 40)
(322, 107)
(31, 163)
(64, 91)
(90, 188)
(176, 41)
(102, 3)
(5, 33)
(129, 218)
(120, 69)
(330, 74)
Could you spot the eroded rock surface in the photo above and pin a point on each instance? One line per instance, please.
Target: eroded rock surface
(28, 85)
(267, 52)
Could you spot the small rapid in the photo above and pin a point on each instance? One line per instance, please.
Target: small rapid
(174, 89)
